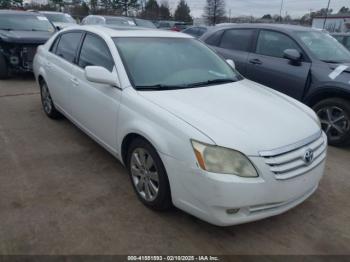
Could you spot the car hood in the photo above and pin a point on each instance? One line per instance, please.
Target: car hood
(25, 37)
(243, 115)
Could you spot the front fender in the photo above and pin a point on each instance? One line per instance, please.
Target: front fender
(166, 132)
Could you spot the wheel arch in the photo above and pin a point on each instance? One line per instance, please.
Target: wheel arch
(327, 93)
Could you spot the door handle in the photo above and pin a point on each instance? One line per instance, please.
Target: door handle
(75, 81)
(255, 61)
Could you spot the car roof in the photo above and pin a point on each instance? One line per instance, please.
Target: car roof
(341, 34)
(98, 29)
(280, 27)
(52, 12)
(15, 12)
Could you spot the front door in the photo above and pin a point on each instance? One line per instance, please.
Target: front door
(95, 106)
(268, 66)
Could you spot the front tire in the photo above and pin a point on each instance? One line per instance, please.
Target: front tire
(334, 114)
(148, 175)
(47, 102)
(3, 68)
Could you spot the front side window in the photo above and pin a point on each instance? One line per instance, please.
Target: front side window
(25, 22)
(237, 39)
(68, 45)
(158, 63)
(271, 43)
(324, 47)
(95, 52)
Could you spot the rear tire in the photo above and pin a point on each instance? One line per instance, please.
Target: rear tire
(148, 175)
(3, 68)
(47, 102)
(334, 114)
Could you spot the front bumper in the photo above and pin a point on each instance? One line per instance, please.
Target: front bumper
(208, 196)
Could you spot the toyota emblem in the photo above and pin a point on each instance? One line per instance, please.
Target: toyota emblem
(308, 156)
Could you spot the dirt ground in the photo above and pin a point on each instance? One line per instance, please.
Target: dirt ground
(61, 193)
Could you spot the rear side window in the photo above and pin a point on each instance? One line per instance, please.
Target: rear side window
(214, 39)
(54, 45)
(237, 39)
(272, 43)
(68, 45)
(95, 52)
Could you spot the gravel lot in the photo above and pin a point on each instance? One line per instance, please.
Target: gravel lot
(61, 193)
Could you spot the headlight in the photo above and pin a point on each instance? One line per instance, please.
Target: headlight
(223, 160)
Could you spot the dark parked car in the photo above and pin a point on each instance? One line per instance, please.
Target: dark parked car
(196, 31)
(343, 38)
(60, 20)
(20, 34)
(304, 63)
(112, 21)
(172, 25)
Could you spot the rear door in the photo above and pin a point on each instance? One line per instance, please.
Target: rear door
(236, 44)
(60, 67)
(269, 67)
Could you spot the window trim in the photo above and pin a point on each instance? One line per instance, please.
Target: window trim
(81, 46)
(304, 58)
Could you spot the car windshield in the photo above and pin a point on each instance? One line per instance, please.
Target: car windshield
(324, 46)
(118, 21)
(144, 23)
(60, 18)
(25, 23)
(172, 63)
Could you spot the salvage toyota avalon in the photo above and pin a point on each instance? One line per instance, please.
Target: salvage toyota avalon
(191, 131)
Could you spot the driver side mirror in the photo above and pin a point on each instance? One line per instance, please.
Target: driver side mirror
(100, 75)
(231, 63)
(292, 54)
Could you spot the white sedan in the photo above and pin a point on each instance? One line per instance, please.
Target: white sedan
(191, 131)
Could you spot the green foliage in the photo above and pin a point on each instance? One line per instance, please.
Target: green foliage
(151, 10)
(344, 10)
(183, 12)
(164, 11)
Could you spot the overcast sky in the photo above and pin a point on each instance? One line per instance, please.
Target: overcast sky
(295, 8)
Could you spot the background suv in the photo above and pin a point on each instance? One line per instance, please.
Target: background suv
(304, 63)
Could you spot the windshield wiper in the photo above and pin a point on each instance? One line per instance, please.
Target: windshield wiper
(332, 61)
(6, 29)
(161, 87)
(213, 82)
(184, 86)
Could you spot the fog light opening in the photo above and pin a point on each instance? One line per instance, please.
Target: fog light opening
(232, 211)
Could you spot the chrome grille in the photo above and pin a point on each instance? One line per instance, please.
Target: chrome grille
(291, 163)
(28, 53)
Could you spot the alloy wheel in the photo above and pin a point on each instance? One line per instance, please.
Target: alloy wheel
(144, 174)
(334, 121)
(46, 99)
